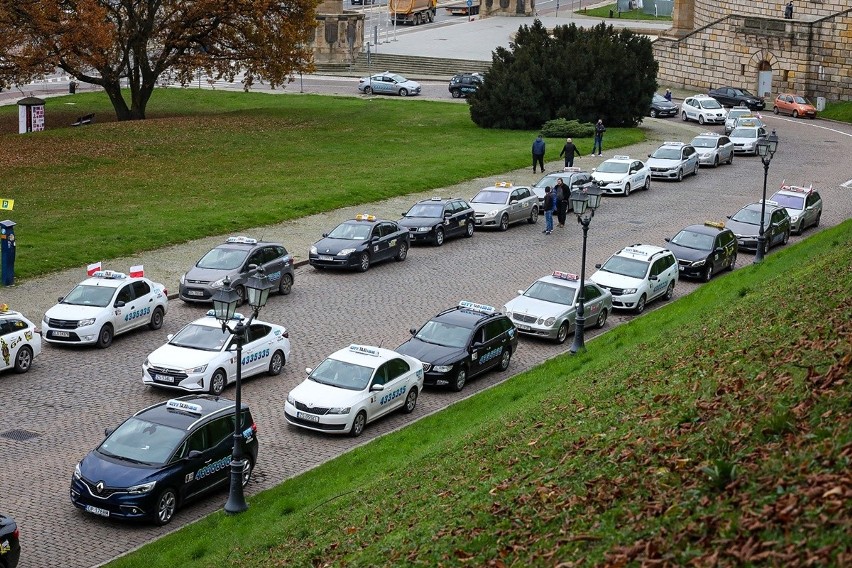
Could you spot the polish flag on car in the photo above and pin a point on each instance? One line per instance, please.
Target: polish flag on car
(137, 271)
(92, 268)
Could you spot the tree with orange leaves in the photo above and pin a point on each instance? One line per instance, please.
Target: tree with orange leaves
(138, 42)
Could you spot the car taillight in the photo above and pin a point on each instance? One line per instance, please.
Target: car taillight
(165, 292)
(253, 428)
(286, 333)
(17, 533)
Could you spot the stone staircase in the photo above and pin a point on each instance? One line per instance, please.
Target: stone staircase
(413, 67)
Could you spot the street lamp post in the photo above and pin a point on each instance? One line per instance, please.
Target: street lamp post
(766, 148)
(224, 307)
(584, 204)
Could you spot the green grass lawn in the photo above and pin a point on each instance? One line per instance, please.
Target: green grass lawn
(604, 12)
(211, 162)
(841, 111)
(715, 431)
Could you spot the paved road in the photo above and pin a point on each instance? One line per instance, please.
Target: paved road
(71, 395)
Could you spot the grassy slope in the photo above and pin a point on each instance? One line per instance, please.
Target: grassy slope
(841, 111)
(715, 429)
(604, 11)
(208, 163)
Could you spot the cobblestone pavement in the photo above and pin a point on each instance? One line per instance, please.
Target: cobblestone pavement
(71, 395)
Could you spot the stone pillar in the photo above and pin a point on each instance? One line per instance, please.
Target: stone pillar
(339, 35)
(683, 18)
(507, 7)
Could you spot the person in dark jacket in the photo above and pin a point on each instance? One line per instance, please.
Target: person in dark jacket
(569, 150)
(668, 95)
(788, 11)
(548, 210)
(562, 196)
(599, 132)
(538, 153)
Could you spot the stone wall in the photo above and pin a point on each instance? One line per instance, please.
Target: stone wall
(708, 11)
(507, 8)
(338, 38)
(809, 58)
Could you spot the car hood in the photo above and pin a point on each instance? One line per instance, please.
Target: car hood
(686, 253)
(666, 105)
(208, 274)
(487, 207)
(334, 246)
(535, 307)
(608, 178)
(431, 353)
(173, 357)
(74, 312)
(316, 394)
(662, 163)
(742, 229)
(114, 472)
(418, 222)
(612, 280)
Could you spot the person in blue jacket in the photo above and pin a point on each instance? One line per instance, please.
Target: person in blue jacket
(538, 153)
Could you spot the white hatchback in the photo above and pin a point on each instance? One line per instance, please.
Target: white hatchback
(352, 387)
(20, 341)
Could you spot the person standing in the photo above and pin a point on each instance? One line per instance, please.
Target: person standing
(568, 151)
(668, 95)
(538, 153)
(561, 191)
(788, 10)
(599, 132)
(548, 210)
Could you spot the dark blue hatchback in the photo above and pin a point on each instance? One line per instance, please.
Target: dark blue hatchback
(162, 457)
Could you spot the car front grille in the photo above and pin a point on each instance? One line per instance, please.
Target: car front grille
(524, 318)
(614, 291)
(105, 493)
(660, 170)
(62, 324)
(202, 282)
(165, 371)
(312, 409)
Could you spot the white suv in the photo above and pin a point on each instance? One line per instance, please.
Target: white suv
(638, 274)
(704, 109)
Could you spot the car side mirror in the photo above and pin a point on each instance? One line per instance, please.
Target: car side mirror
(308, 370)
(412, 331)
(652, 277)
(594, 170)
(194, 454)
(377, 388)
(520, 292)
(232, 347)
(170, 336)
(667, 239)
(476, 345)
(405, 214)
(108, 431)
(598, 266)
(649, 155)
(728, 216)
(60, 298)
(447, 214)
(325, 235)
(512, 202)
(120, 304)
(720, 250)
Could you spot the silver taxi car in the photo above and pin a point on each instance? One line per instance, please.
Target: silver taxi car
(713, 149)
(673, 160)
(502, 204)
(804, 205)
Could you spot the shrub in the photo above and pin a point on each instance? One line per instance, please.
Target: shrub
(562, 128)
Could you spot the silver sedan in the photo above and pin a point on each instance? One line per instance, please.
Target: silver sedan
(502, 204)
(713, 149)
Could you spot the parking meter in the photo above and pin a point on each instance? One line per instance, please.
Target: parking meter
(7, 251)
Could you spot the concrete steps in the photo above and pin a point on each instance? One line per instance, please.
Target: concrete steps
(418, 68)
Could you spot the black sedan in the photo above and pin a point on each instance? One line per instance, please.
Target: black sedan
(662, 107)
(433, 220)
(360, 242)
(733, 97)
(10, 546)
(704, 250)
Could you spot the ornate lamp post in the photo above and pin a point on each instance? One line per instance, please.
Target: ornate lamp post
(584, 204)
(224, 306)
(766, 149)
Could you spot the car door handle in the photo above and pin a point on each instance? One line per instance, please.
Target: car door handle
(208, 461)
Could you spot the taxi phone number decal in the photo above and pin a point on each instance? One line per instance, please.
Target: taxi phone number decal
(255, 356)
(392, 395)
(213, 467)
(490, 355)
(137, 314)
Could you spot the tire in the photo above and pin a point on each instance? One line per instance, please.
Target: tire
(775, 110)
(105, 336)
(795, 113)
(218, 382)
(626, 190)
(276, 364)
(364, 262)
(708, 273)
(469, 230)
(368, 91)
(716, 161)
(731, 158)
(647, 183)
(248, 468)
(701, 119)
(680, 175)
(402, 253)
(166, 506)
(358, 424)
(786, 238)
(695, 169)
(24, 359)
(562, 334)
(241, 292)
(653, 113)
(733, 263)
(456, 93)
(505, 359)
(403, 92)
(816, 223)
(640, 305)
(461, 379)
(439, 237)
(410, 401)
(601, 319)
(533, 216)
(156, 319)
(669, 291)
(683, 116)
(286, 284)
(504, 222)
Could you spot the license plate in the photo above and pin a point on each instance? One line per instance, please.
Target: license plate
(478, 222)
(194, 293)
(523, 327)
(308, 417)
(324, 257)
(97, 511)
(163, 378)
(61, 334)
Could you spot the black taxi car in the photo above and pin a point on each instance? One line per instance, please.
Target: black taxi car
(162, 457)
(10, 546)
(465, 84)
(462, 342)
(433, 220)
(704, 250)
(360, 242)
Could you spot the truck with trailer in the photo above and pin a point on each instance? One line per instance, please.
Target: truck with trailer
(414, 12)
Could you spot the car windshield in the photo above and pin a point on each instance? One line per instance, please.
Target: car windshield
(223, 259)
(667, 153)
(801, 100)
(426, 210)
(554, 293)
(704, 142)
(493, 197)
(140, 441)
(441, 333)
(693, 240)
(341, 374)
(745, 93)
(613, 167)
(744, 133)
(709, 103)
(751, 216)
(397, 78)
(626, 266)
(81, 295)
(549, 180)
(738, 112)
(351, 231)
(789, 201)
(201, 337)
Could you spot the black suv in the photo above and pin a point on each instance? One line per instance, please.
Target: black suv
(461, 342)
(434, 219)
(161, 457)
(465, 84)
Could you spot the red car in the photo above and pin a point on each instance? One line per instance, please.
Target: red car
(794, 105)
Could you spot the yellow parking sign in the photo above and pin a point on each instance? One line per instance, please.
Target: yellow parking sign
(7, 204)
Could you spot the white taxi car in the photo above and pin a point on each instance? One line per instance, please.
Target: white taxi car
(20, 341)
(202, 357)
(103, 306)
(704, 109)
(638, 274)
(548, 308)
(621, 174)
(352, 387)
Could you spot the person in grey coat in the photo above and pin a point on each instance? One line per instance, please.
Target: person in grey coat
(538, 153)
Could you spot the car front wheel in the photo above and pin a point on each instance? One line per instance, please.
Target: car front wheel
(166, 506)
(601, 319)
(647, 183)
(461, 379)
(364, 262)
(653, 113)
(562, 334)
(358, 424)
(504, 222)
(775, 110)
(217, 382)
(439, 237)
(403, 92)
(700, 119)
(680, 175)
(533, 216)
(286, 285)
(626, 189)
(456, 93)
(708, 272)
(795, 114)
(469, 231)
(640, 305)
(105, 336)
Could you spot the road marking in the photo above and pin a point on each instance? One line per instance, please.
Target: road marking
(847, 184)
(800, 121)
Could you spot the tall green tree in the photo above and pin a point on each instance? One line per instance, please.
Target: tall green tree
(572, 73)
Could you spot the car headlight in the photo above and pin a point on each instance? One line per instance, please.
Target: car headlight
(794, 218)
(77, 473)
(549, 321)
(146, 364)
(142, 488)
(340, 410)
(85, 322)
(698, 263)
(313, 250)
(442, 368)
(196, 370)
(630, 291)
(291, 399)
(346, 252)
(218, 284)
(183, 278)
(493, 213)
(44, 320)
(507, 312)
